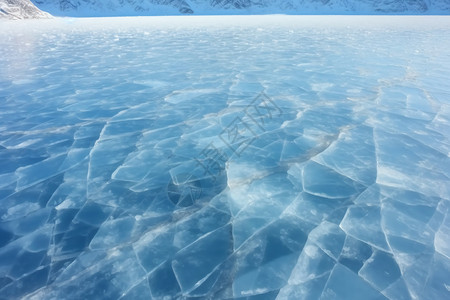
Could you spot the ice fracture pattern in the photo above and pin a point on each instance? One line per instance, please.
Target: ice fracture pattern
(225, 158)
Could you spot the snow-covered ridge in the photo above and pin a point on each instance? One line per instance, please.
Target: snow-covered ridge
(175, 7)
(20, 9)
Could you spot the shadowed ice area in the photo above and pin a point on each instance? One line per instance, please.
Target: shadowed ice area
(255, 158)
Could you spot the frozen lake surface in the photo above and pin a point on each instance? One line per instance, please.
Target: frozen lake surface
(264, 157)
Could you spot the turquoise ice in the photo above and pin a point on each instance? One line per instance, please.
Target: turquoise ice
(275, 157)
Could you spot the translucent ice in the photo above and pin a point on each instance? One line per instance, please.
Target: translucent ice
(273, 157)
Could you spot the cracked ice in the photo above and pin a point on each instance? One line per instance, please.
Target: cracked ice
(260, 157)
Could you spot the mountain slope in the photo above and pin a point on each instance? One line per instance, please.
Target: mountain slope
(20, 9)
(174, 7)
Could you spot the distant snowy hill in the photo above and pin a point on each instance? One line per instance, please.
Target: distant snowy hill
(174, 7)
(20, 9)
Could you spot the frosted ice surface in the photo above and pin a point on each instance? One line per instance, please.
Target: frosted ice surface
(225, 158)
